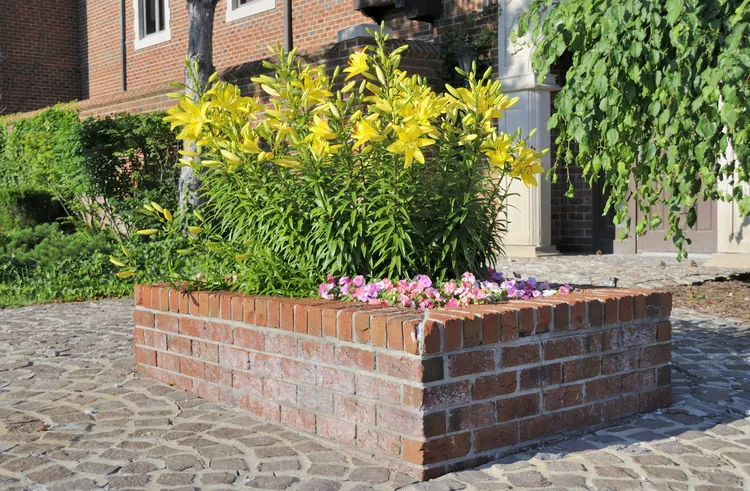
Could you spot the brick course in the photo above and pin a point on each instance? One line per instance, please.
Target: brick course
(427, 409)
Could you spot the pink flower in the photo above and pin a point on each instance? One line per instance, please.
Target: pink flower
(450, 287)
(424, 281)
(452, 303)
(359, 280)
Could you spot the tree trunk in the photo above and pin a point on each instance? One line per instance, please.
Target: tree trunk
(200, 53)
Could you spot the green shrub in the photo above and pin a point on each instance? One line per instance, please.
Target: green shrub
(383, 177)
(25, 207)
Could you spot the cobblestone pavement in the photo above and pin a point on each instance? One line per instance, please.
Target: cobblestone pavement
(630, 270)
(73, 415)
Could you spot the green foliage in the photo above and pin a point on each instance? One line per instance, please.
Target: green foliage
(23, 207)
(44, 264)
(44, 152)
(383, 177)
(656, 96)
(100, 170)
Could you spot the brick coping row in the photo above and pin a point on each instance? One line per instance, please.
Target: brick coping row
(413, 332)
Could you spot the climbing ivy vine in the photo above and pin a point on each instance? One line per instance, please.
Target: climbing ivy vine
(655, 103)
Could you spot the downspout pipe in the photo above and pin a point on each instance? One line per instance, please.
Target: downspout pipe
(288, 43)
(123, 51)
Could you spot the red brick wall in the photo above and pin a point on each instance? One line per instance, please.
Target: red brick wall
(429, 396)
(39, 63)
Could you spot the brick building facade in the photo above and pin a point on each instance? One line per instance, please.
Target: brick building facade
(68, 50)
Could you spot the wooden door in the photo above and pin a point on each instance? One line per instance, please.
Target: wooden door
(703, 234)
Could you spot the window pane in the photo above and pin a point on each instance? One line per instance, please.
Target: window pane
(160, 6)
(243, 2)
(149, 16)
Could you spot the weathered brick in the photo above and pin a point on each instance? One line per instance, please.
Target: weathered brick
(620, 407)
(432, 337)
(518, 407)
(281, 344)
(562, 348)
(490, 386)
(317, 351)
(447, 394)
(205, 390)
(206, 351)
(143, 318)
(438, 450)
(379, 389)
(471, 362)
(192, 327)
(247, 382)
(543, 376)
(470, 417)
(192, 368)
(145, 356)
(246, 337)
(652, 356)
(355, 357)
(354, 408)
(581, 417)
(545, 425)
(581, 368)
(603, 388)
(374, 440)
(341, 381)
(562, 397)
(219, 375)
(336, 429)
(298, 418)
(264, 408)
(221, 333)
(237, 306)
(316, 399)
(524, 354)
(496, 437)
(638, 381)
(154, 339)
(663, 331)
(166, 322)
(619, 362)
(401, 421)
(233, 357)
(655, 399)
(180, 345)
(280, 391)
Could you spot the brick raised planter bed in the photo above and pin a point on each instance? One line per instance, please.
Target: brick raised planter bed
(456, 389)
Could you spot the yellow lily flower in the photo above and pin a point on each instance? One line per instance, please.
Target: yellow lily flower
(357, 64)
(364, 132)
(409, 143)
(322, 129)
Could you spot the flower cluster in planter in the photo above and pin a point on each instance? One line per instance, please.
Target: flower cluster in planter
(422, 293)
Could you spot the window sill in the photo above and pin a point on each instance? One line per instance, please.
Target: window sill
(255, 7)
(153, 39)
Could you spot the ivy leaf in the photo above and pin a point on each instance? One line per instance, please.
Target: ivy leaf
(673, 10)
(706, 128)
(613, 136)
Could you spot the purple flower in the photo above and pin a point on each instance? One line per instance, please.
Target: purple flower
(359, 280)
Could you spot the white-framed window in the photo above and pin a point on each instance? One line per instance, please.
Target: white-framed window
(237, 9)
(151, 22)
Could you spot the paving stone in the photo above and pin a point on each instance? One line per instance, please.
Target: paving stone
(528, 479)
(218, 478)
(125, 482)
(279, 466)
(327, 470)
(373, 475)
(175, 479)
(271, 482)
(319, 485)
(96, 468)
(50, 474)
(183, 462)
(228, 464)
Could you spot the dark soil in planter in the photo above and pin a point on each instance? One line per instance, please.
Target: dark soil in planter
(729, 298)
